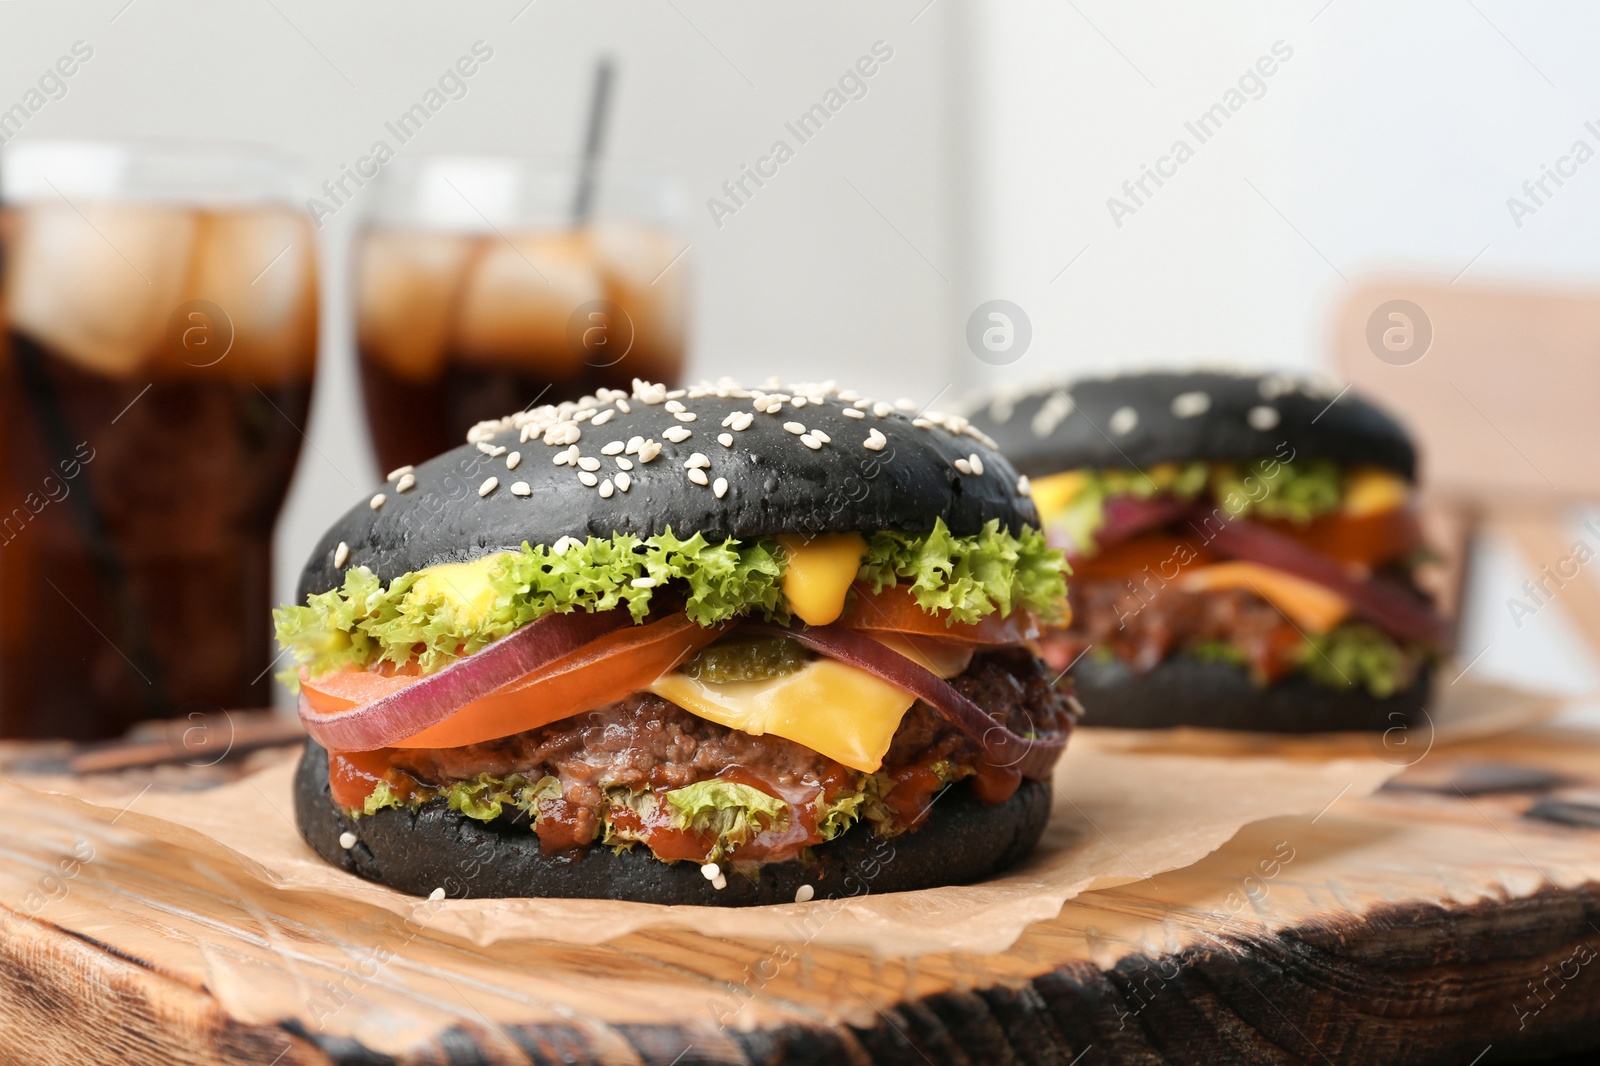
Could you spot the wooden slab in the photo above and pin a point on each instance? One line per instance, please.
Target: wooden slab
(1433, 923)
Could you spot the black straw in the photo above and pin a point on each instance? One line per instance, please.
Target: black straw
(593, 140)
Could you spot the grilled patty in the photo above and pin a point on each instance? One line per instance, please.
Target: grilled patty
(645, 741)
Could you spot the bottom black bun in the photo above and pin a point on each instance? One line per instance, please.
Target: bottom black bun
(963, 840)
(1185, 691)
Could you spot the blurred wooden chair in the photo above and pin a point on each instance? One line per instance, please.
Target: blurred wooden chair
(1501, 386)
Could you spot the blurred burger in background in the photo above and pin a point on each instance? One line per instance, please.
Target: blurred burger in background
(1244, 549)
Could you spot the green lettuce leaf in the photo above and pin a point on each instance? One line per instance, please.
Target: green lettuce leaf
(726, 812)
(1218, 651)
(529, 797)
(969, 577)
(1358, 655)
(721, 579)
(361, 623)
(1349, 656)
(484, 797)
(619, 837)
(1299, 490)
(885, 820)
(381, 797)
(842, 812)
(1086, 513)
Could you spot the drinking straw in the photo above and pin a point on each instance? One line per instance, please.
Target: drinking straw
(593, 140)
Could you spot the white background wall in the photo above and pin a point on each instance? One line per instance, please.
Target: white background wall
(1392, 137)
(1389, 141)
(978, 166)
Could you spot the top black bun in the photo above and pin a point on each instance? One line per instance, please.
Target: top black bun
(777, 482)
(1180, 417)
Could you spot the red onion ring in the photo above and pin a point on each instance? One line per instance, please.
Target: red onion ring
(1128, 516)
(1389, 608)
(1033, 758)
(437, 696)
(1385, 606)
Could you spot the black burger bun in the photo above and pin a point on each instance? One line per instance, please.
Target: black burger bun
(963, 840)
(1182, 690)
(1139, 420)
(821, 461)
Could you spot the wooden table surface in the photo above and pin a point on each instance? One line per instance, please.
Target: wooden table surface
(1436, 921)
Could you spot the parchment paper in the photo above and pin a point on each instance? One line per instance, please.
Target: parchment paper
(1118, 817)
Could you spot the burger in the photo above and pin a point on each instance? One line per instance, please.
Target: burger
(1243, 549)
(711, 646)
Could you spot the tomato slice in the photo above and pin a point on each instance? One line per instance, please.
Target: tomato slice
(611, 668)
(1166, 555)
(631, 659)
(895, 610)
(1363, 539)
(1366, 539)
(339, 690)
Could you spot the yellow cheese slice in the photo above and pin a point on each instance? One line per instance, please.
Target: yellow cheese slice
(464, 585)
(1307, 604)
(1369, 490)
(833, 709)
(1052, 493)
(818, 572)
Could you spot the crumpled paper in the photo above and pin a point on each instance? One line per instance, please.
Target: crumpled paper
(1118, 817)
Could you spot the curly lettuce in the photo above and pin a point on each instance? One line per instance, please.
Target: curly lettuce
(1299, 490)
(430, 619)
(1083, 512)
(484, 797)
(844, 810)
(362, 623)
(887, 820)
(721, 580)
(727, 812)
(1073, 504)
(724, 814)
(966, 578)
(1356, 655)
(1350, 656)
(380, 797)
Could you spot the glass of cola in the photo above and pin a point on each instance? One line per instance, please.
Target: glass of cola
(159, 305)
(484, 286)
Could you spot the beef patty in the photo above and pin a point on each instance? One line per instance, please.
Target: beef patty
(1143, 627)
(1142, 622)
(644, 741)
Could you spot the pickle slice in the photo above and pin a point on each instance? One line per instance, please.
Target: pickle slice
(740, 658)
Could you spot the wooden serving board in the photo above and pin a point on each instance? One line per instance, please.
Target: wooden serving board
(1433, 922)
